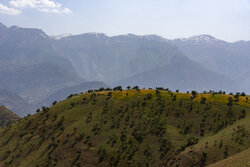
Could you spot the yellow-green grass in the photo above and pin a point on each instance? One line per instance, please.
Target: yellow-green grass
(241, 159)
(59, 135)
(211, 144)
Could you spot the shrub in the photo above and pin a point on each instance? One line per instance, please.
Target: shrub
(38, 110)
(191, 141)
(203, 100)
(138, 134)
(243, 94)
(242, 114)
(90, 91)
(136, 88)
(54, 103)
(174, 98)
(159, 88)
(101, 89)
(117, 88)
(194, 94)
(236, 96)
(230, 101)
(110, 94)
(71, 95)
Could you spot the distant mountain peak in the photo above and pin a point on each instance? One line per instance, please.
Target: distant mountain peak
(16, 28)
(36, 33)
(131, 35)
(2, 26)
(58, 37)
(96, 34)
(205, 37)
(155, 37)
(202, 39)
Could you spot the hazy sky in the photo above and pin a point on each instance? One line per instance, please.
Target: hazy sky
(224, 19)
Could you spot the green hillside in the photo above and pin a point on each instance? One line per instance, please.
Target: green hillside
(6, 116)
(130, 128)
(239, 160)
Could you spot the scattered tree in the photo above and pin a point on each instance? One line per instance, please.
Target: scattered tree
(194, 94)
(54, 103)
(230, 101)
(203, 100)
(136, 88)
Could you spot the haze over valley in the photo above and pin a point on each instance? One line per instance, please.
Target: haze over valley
(35, 65)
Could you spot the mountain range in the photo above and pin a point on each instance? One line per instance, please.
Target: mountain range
(215, 64)
(36, 66)
(229, 59)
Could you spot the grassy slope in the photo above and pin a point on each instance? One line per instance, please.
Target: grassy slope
(239, 160)
(229, 141)
(128, 128)
(6, 116)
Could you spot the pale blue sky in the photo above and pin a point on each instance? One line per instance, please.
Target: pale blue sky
(224, 19)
